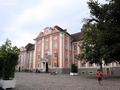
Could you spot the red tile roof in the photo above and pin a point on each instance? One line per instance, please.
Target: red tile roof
(77, 36)
(29, 47)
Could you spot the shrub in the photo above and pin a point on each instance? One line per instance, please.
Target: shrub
(1, 65)
(74, 68)
(9, 65)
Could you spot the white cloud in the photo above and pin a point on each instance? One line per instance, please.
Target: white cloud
(23, 25)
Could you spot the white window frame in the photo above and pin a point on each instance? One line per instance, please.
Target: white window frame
(75, 56)
(38, 57)
(55, 37)
(38, 48)
(70, 47)
(55, 45)
(46, 55)
(39, 41)
(55, 56)
(66, 55)
(90, 65)
(55, 64)
(46, 47)
(66, 46)
(75, 47)
(46, 39)
(82, 64)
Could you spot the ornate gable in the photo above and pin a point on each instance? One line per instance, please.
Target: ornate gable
(47, 30)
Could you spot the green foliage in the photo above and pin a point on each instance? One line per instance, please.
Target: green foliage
(102, 39)
(9, 65)
(92, 46)
(109, 22)
(1, 64)
(8, 60)
(74, 68)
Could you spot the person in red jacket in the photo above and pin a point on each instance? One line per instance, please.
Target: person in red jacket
(99, 74)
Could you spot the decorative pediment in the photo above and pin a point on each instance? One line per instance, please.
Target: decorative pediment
(47, 30)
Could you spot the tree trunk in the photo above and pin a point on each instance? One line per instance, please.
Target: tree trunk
(101, 65)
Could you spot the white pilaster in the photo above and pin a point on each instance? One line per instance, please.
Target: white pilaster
(87, 64)
(61, 49)
(78, 53)
(51, 43)
(30, 59)
(42, 48)
(68, 52)
(94, 65)
(34, 56)
(50, 53)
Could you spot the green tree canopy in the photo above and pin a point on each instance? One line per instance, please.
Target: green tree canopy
(8, 59)
(101, 40)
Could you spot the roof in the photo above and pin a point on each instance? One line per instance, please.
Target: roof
(29, 47)
(59, 28)
(77, 36)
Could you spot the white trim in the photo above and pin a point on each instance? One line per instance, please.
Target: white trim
(34, 57)
(63, 52)
(42, 55)
(50, 53)
(61, 48)
(68, 53)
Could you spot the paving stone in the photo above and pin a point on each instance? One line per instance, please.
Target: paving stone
(45, 81)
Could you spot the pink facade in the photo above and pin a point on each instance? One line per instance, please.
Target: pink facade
(55, 47)
(52, 47)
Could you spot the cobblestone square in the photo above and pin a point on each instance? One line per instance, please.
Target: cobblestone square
(45, 81)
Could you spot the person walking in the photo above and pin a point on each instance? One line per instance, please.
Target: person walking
(100, 75)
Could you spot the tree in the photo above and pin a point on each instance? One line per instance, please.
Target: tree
(8, 59)
(92, 46)
(107, 18)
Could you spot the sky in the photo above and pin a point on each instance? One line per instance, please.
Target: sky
(21, 21)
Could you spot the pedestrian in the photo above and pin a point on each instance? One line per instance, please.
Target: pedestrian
(99, 74)
(36, 70)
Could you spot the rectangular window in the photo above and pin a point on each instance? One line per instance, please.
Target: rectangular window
(55, 45)
(39, 41)
(38, 65)
(28, 61)
(66, 55)
(98, 64)
(66, 45)
(55, 64)
(46, 47)
(31, 60)
(46, 55)
(75, 56)
(90, 65)
(70, 47)
(55, 55)
(38, 57)
(55, 37)
(38, 48)
(75, 47)
(46, 40)
(83, 64)
(66, 38)
(66, 65)
(108, 64)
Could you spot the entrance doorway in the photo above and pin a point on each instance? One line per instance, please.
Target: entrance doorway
(108, 71)
(47, 67)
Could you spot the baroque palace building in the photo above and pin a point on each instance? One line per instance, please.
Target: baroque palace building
(55, 48)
